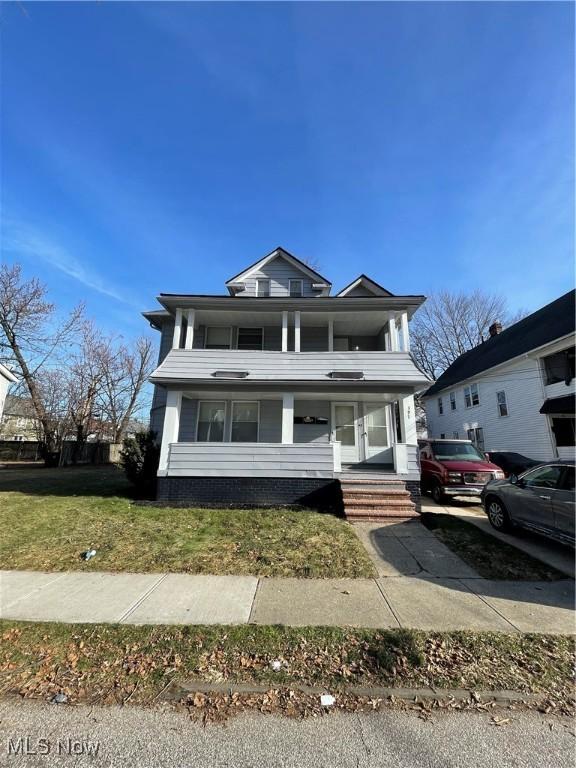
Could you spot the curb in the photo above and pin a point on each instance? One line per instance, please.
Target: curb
(179, 690)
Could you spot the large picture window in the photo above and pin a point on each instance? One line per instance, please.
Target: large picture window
(211, 417)
(217, 338)
(244, 422)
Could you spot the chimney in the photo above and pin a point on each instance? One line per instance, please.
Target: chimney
(495, 328)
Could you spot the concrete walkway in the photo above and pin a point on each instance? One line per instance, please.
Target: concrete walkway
(419, 601)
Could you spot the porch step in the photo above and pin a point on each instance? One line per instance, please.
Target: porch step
(374, 500)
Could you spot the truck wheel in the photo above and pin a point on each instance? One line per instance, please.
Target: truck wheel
(497, 514)
(438, 494)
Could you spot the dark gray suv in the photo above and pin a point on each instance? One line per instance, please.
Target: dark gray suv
(541, 500)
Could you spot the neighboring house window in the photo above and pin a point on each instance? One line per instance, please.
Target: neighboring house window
(455, 435)
(470, 434)
(244, 422)
(442, 436)
(211, 415)
(217, 338)
(471, 395)
(564, 432)
(262, 287)
(21, 421)
(502, 404)
(19, 438)
(477, 437)
(296, 288)
(440, 406)
(559, 367)
(452, 401)
(250, 338)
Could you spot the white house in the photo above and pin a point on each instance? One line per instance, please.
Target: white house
(6, 379)
(515, 391)
(279, 393)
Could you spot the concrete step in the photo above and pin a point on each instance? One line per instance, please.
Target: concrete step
(369, 481)
(375, 493)
(379, 504)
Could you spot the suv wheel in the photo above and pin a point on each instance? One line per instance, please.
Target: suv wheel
(497, 514)
(438, 493)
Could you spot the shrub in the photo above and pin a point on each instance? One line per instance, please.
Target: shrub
(139, 459)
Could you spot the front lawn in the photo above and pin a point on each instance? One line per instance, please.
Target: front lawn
(48, 517)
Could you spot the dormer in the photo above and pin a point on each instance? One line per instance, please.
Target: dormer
(364, 286)
(277, 275)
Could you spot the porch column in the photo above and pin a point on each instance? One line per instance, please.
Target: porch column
(407, 413)
(296, 331)
(288, 417)
(177, 330)
(330, 335)
(190, 320)
(393, 334)
(405, 332)
(171, 427)
(284, 331)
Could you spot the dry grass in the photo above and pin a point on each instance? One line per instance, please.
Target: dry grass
(49, 517)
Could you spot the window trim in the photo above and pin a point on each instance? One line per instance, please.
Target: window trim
(250, 328)
(217, 442)
(295, 280)
(228, 327)
(505, 404)
(262, 280)
(242, 402)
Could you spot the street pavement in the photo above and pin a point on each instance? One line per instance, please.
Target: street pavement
(131, 737)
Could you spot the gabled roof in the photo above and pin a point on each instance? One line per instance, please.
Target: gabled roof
(7, 374)
(19, 406)
(282, 253)
(366, 282)
(554, 321)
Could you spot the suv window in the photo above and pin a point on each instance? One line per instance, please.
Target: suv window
(544, 477)
(567, 483)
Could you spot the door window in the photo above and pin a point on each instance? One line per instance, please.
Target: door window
(344, 426)
(211, 422)
(244, 423)
(544, 477)
(376, 429)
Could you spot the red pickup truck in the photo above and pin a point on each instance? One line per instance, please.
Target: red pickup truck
(454, 468)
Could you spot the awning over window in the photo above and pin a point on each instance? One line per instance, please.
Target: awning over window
(555, 405)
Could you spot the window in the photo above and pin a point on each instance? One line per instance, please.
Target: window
(564, 432)
(19, 438)
(460, 451)
(250, 338)
(442, 436)
(440, 406)
(244, 422)
(262, 287)
(559, 367)
(455, 435)
(217, 338)
(502, 404)
(296, 288)
(567, 483)
(211, 417)
(470, 434)
(452, 401)
(477, 437)
(471, 395)
(545, 477)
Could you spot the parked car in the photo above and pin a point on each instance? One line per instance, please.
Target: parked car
(512, 463)
(454, 468)
(541, 500)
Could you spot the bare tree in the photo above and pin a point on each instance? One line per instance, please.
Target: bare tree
(32, 337)
(451, 323)
(124, 377)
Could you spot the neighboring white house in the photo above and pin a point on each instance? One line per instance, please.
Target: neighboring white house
(515, 391)
(6, 379)
(280, 393)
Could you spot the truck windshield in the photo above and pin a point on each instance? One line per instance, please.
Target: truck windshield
(456, 452)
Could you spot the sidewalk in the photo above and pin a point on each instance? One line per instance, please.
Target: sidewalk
(420, 601)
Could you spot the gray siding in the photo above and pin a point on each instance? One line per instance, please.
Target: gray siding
(279, 272)
(392, 368)
(270, 421)
(312, 433)
(187, 432)
(256, 460)
(360, 290)
(314, 338)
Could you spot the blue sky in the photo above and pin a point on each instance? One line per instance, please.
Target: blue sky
(161, 147)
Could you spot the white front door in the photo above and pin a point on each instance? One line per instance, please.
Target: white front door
(345, 429)
(376, 433)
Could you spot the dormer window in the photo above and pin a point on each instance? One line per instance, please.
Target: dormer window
(296, 288)
(262, 287)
